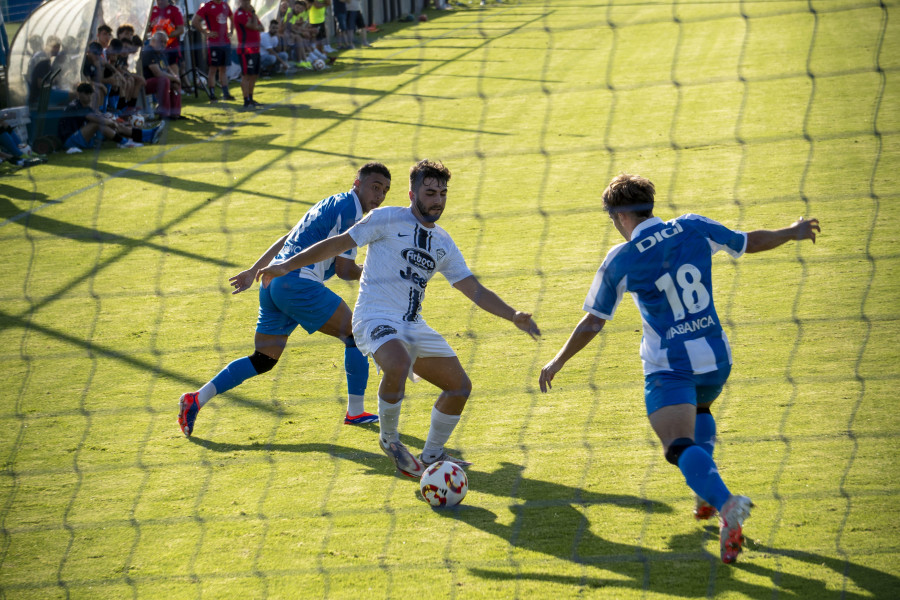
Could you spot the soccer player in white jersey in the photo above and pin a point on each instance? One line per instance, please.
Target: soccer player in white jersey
(405, 250)
(667, 267)
(302, 299)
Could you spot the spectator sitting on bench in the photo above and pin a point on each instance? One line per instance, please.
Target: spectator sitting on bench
(271, 56)
(82, 127)
(44, 59)
(100, 74)
(162, 79)
(118, 57)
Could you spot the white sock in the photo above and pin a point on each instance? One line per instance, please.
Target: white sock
(355, 404)
(442, 427)
(206, 393)
(389, 420)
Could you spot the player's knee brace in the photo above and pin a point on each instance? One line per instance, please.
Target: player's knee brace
(350, 342)
(676, 448)
(261, 362)
(701, 410)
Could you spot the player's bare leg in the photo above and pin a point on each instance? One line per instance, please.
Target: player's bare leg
(447, 374)
(674, 425)
(395, 363)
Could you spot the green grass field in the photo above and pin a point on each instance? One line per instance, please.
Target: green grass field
(754, 113)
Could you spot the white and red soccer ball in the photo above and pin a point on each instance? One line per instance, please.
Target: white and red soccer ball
(444, 484)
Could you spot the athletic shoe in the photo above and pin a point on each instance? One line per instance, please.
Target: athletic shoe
(703, 510)
(130, 144)
(304, 64)
(446, 458)
(228, 97)
(402, 458)
(188, 407)
(157, 131)
(360, 419)
(329, 49)
(254, 104)
(731, 521)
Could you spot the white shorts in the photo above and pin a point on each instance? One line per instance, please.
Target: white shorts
(420, 340)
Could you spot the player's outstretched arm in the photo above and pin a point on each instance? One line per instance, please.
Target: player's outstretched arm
(766, 239)
(586, 330)
(244, 280)
(327, 248)
(492, 303)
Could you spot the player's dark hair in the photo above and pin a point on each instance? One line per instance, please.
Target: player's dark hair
(104, 29)
(85, 88)
(124, 28)
(115, 45)
(427, 169)
(629, 193)
(373, 167)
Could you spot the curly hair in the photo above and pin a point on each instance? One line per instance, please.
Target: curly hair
(427, 169)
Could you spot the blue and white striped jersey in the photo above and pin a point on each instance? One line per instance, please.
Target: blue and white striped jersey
(667, 267)
(329, 217)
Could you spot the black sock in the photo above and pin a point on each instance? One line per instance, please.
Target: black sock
(118, 139)
(137, 134)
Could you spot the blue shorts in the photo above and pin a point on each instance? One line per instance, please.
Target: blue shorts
(666, 388)
(76, 140)
(290, 301)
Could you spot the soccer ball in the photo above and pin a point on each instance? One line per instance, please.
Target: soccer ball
(444, 484)
(137, 121)
(318, 64)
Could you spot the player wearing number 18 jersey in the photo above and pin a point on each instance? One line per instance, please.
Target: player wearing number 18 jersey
(667, 268)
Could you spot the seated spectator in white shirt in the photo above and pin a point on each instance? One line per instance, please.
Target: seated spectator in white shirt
(270, 50)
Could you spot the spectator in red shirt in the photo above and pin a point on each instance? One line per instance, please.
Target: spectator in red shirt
(215, 16)
(248, 28)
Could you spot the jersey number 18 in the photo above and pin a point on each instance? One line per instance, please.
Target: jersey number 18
(694, 294)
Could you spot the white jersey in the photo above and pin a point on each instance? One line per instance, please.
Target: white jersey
(402, 257)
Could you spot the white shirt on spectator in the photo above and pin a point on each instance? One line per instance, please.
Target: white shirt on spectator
(268, 41)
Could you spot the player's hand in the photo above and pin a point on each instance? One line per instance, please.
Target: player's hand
(242, 281)
(523, 321)
(548, 373)
(267, 274)
(806, 229)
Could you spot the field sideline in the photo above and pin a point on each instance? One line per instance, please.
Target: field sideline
(116, 302)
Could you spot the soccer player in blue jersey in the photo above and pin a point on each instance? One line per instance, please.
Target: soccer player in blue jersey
(301, 298)
(667, 268)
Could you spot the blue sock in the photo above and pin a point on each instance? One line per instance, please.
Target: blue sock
(357, 367)
(705, 432)
(702, 476)
(236, 373)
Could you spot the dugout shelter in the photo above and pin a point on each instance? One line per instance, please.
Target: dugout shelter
(48, 50)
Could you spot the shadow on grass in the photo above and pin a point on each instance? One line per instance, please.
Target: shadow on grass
(95, 236)
(7, 191)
